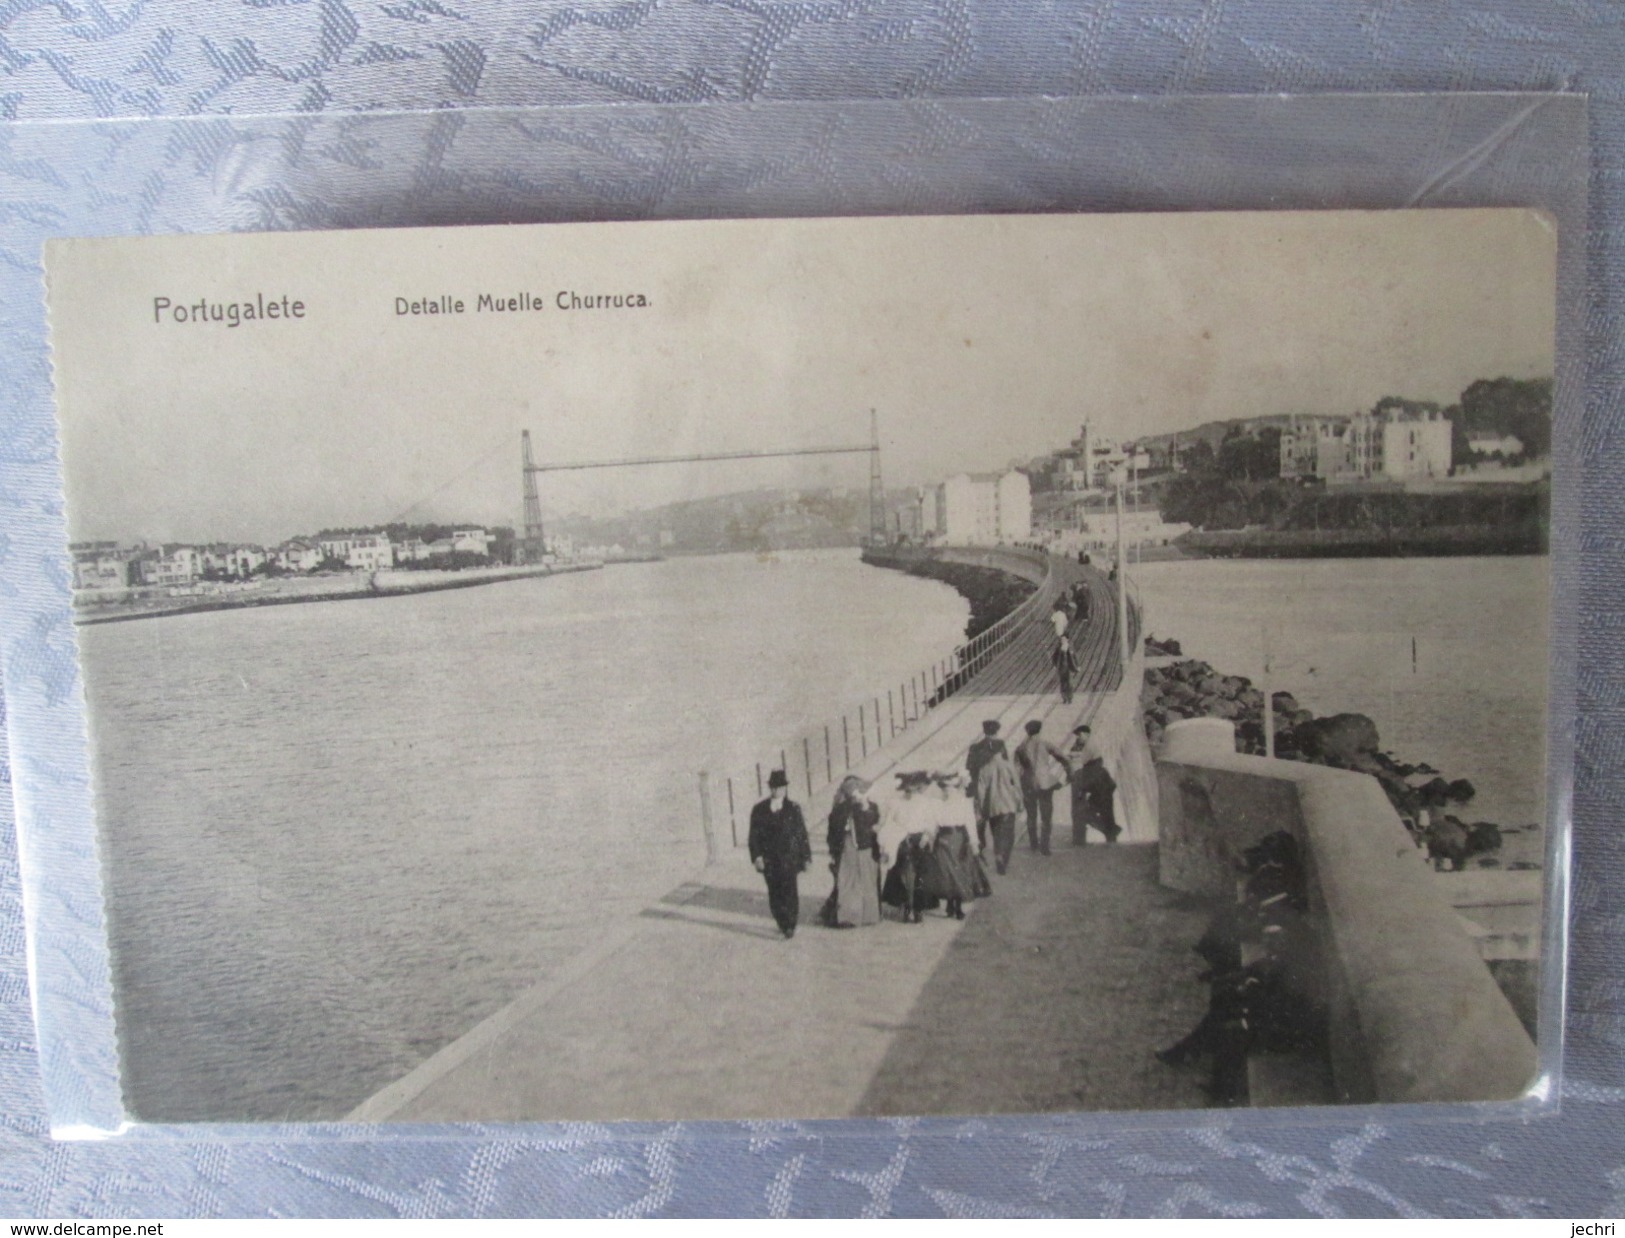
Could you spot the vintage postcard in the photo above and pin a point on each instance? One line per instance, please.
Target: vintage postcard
(816, 668)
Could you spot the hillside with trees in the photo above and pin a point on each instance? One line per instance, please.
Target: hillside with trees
(1237, 485)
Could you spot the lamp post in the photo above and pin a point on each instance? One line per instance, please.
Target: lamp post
(1267, 687)
(1119, 475)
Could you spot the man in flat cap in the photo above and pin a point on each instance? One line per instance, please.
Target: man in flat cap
(981, 752)
(780, 850)
(1092, 790)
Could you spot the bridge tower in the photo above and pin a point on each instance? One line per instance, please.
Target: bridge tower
(532, 548)
(877, 493)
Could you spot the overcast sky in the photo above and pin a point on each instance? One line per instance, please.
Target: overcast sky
(979, 340)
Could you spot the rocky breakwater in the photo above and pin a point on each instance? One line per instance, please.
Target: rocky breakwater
(1426, 801)
(991, 592)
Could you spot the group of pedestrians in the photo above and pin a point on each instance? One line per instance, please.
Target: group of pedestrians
(914, 851)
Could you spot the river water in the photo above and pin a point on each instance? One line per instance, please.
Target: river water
(1471, 702)
(339, 835)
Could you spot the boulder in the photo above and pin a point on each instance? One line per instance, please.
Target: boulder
(1434, 793)
(1483, 836)
(1178, 693)
(1342, 739)
(1446, 839)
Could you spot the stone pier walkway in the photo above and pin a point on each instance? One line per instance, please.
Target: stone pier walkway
(1052, 995)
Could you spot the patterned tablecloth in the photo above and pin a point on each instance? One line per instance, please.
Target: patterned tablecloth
(348, 162)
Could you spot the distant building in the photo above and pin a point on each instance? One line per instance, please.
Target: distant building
(984, 509)
(298, 554)
(170, 564)
(1399, 446)
(471, 541)
(1298, 451)
(413, 550)
(906, 520)
(362, 551)
(245, 559)
(1489, 443)
(1107, 457)
(1315, 447)
(1142, 526)
(100, 565)
(1159, 455)
(1073, 468)
(1393, 445)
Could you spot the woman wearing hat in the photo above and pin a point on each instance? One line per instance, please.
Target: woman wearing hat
(853, 858)
(950, 869)
(907, 826)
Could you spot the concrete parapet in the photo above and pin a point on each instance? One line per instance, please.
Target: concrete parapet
(1415, 1014)
(1212, 807)
(1190, 739)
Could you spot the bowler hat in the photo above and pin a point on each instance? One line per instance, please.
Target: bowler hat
(778, 778)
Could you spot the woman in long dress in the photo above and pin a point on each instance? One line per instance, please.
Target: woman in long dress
(853, 818)
(952, 871)
(907, 825)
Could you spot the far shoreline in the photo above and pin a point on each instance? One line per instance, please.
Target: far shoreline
(345, 591)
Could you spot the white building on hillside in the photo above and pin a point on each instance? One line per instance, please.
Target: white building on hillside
(1396, 446)
(1389, 446)
(100, 565)
(1315, 447)
(1489, 443)
(172, 564)
(411, 551)
(298, 554)
(984, 509)
(472, 541)
(244, 559)
(362, 551)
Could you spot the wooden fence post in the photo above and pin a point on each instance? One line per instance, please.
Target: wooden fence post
(705, 817)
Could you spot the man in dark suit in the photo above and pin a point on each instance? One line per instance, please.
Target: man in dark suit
(780, 850)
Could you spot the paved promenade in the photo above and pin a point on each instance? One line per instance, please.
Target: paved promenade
(1050, 996)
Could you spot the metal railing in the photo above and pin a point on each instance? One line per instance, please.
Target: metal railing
(816, 760)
